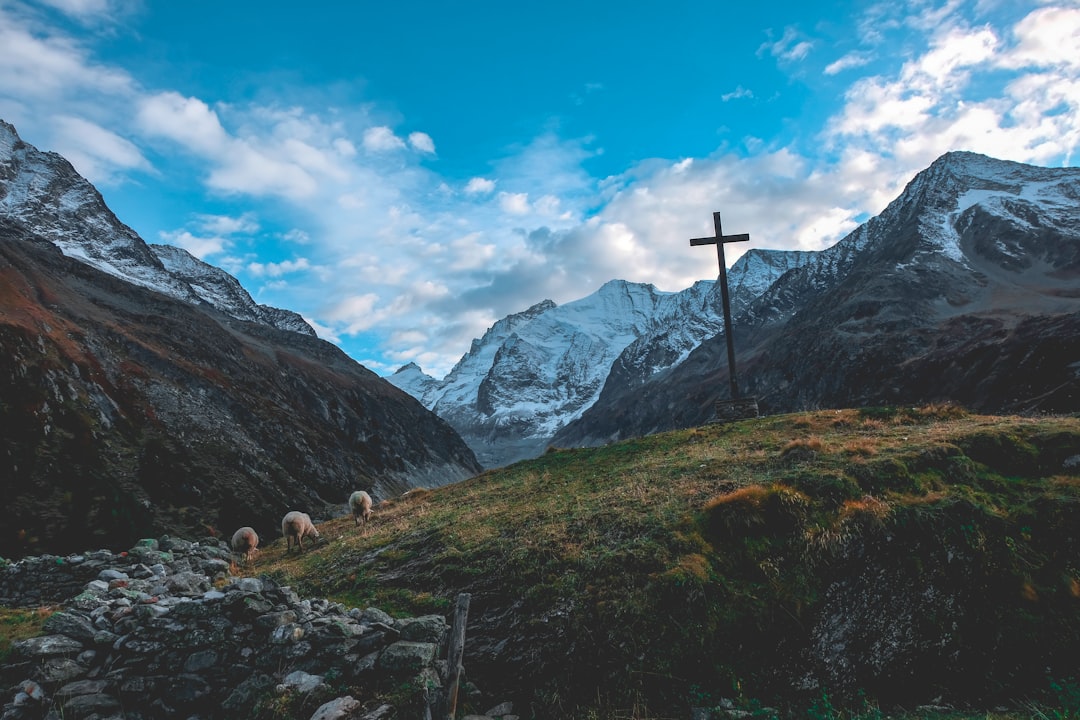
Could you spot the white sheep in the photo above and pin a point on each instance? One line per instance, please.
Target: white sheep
(360, 504)
(245, 542)
(297, 525)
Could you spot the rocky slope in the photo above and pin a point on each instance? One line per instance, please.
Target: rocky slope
(125, 411)
(166, 631)
(535, 371)
(965, 289)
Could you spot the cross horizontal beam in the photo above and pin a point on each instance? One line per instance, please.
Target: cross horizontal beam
(723, 238)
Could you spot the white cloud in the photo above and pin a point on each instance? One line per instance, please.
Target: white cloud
(514, 203)
(353, 314)
(277, 269)
(382, 139)
(98, 154)
(422, 142)
(344, 147)
(738, 93)
(1047, 37)
(187, 121)
(245, 224)
(847, 62)
(479, 185)
(789, 48)
(298, 236)
(200, 247)
(81, 8)
(41, 64)
(470, 252)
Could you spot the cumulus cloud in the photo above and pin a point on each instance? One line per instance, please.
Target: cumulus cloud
(227, 225)
(201, 247)
(479, 185)
(422, 142)
(277, 269)
(1047, 37)
(514, 203)
(382, 139)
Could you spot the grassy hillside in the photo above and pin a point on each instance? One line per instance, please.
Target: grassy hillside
(824, 562)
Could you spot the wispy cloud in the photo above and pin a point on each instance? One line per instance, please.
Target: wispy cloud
(791, 47)
(736, 94)
(848, 62)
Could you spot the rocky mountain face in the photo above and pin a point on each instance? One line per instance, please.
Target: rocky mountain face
(127, 412)
(536, 371)
(41, 190)
(965, 289)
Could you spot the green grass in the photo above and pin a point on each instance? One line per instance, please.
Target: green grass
(19, 624)
(687, 558)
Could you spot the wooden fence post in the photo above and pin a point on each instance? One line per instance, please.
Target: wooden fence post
(456, 650)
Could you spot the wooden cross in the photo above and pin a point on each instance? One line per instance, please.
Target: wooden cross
(719, 241)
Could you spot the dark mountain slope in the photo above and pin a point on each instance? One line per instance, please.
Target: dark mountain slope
(124, 412)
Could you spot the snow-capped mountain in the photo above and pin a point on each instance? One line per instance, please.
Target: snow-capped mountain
(535, 371)
(43, 191)
(965, 289)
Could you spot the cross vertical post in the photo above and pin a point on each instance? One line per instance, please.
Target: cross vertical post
(719, 241)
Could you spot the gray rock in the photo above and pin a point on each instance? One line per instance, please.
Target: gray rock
(302, 682)
(58, 670)
(342, 708)
(82, 706)
(76, 626)
(374, 615)
(110, 574)
(81, 687)
(199, 661)
(286, 634)
(503, 708)
(407, 656)
(46, 645)
(427, 628)
(247, 584)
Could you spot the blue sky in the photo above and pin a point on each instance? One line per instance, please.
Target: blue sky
(405, 174)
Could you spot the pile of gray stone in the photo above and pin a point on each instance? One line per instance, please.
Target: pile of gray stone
(165, 631)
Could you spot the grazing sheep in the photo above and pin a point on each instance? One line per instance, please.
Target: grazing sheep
(297, 525)
(360, 504)
(245, 542)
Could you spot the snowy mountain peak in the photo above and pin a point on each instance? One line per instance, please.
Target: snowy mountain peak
(42, 191)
